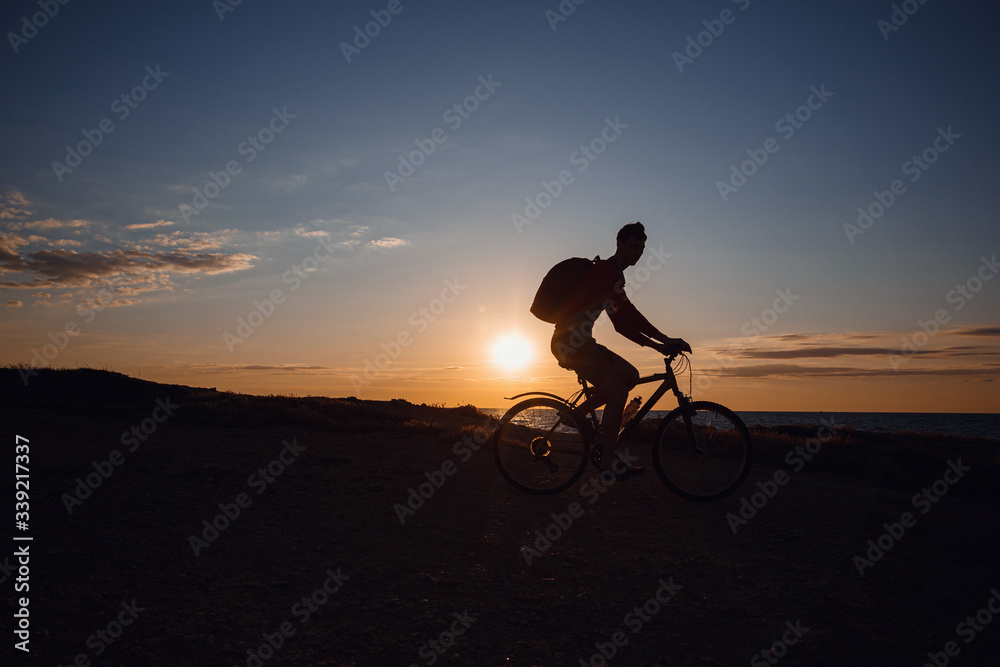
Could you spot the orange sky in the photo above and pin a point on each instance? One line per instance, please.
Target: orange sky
(854, 373)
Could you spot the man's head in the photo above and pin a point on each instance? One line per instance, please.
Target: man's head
(631, 243)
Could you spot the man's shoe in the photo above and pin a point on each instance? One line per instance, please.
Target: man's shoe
(631, 471)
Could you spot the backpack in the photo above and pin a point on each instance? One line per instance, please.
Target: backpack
(557, 285)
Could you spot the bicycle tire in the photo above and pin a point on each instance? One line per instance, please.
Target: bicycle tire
(712, 470)
(541, 467)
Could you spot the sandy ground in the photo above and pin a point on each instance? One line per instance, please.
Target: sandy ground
(319, 560)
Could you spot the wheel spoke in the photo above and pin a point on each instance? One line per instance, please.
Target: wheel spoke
(538, 446)
(714, 463)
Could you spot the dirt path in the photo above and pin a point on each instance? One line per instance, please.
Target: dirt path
(456, 564)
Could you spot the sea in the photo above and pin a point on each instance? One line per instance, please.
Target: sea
(974, 425)
(967, 425)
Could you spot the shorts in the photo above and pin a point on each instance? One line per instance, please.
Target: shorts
(592, 361)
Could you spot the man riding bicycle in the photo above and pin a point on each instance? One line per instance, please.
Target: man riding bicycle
(602, 289)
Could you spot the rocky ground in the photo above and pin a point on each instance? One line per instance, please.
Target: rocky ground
(318, 568)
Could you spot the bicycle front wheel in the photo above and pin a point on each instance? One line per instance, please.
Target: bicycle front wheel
(702, 451)
(540, 447)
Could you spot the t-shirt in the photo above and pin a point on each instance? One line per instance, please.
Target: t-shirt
(602, 289)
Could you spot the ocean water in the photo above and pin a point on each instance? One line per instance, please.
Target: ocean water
(967, 425)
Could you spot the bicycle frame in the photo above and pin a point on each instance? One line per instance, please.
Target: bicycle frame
(708, 464)
(669, 383)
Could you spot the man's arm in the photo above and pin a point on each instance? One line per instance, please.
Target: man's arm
(624, 313)
(629, 322)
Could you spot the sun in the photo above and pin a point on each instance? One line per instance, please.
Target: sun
(513, 352)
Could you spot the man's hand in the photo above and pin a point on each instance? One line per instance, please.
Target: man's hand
(672, 346)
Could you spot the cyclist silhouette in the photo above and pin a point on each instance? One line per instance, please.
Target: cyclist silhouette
(602, 289)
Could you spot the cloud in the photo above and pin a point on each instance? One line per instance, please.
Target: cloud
(797, 371)
(150, 225)
(816, 352)
(978, 331)
(68, 268)
(387, 242)
(279, 368)
(50, 223)
(14, 303)
(197, 241)
(10, 257)
(14, 205)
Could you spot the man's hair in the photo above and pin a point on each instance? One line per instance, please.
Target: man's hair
(630, 231)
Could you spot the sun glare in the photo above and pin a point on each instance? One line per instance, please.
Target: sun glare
(512, 352)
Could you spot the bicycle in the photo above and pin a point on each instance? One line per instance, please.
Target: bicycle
(702, 451)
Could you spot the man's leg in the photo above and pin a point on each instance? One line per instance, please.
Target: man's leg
(615, 382)
(614, 388)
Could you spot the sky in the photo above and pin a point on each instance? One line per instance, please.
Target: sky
(360, 198)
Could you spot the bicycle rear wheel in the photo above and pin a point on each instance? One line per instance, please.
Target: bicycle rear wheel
(540, 447)
(703, 451)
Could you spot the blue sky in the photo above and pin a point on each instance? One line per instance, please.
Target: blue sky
(177, 286)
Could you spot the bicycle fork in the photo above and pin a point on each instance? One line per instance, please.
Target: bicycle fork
(687, 413)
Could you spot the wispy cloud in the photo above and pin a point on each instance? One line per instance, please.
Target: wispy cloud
(191, 241)
(150, 225)
(861, 354)
(814, 352)
(14, 205)
(797, 371)
(273, 368)
(68, 268)
(49, 223)
(387, 242)
(978, 331)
